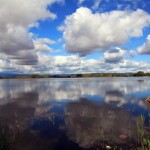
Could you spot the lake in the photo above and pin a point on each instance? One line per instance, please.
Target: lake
(74, 114)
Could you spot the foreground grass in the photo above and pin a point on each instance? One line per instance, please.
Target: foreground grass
(142, 140)
(3, 142)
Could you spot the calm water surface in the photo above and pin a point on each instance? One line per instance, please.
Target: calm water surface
(72, 114)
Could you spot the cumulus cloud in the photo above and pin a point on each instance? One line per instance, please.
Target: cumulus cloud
(4, 62)
(74, 64)
(145, 48)
(16, 18)
(67, 64)
(14, 38)
(26, 57)
(42, 44)
(85, 32)
(115, 55)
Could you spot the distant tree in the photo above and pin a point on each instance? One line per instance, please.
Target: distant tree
(139, 73)
(79, 75)
(86, 75)
(46, 76)
(34, 76)
(147, 74)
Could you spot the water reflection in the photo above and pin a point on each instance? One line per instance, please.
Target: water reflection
(52, 112)
(115, 96)
(68, 89)
(87, 123)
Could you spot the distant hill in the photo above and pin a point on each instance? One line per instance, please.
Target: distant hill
(10, 75)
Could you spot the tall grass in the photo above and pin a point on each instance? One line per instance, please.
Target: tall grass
(143, 141)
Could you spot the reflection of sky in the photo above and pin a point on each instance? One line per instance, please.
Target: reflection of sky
(111, 89)
(105, 105)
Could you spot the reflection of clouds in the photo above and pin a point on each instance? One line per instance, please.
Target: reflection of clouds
(26, 100)
(42, 109)
(71, 89)
(143, 104)
(22, 100)
(13, 89)
(15, 119)
(88, 123)
(115, 96)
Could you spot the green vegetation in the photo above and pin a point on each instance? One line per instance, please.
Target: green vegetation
(139, 73)
(140, 128)
(85, 75)
(143, 141)
(34, 76)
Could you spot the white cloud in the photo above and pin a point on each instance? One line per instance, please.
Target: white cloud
(145, 48)
(85, 32)
(42, 44)
(133, 53)
(81, 1)
(74, 64)
(67, 64)
(4, 62)
(16, 17)
(96, 4)
(115, 55)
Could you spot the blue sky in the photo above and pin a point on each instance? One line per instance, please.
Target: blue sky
(74, 36)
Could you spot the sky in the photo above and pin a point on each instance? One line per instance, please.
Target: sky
(74, 36)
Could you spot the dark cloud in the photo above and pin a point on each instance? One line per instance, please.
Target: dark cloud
(26, 57)
(114, 55)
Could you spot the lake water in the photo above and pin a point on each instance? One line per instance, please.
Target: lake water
(72, 114)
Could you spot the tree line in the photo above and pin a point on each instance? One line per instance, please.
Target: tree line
(85, 75)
